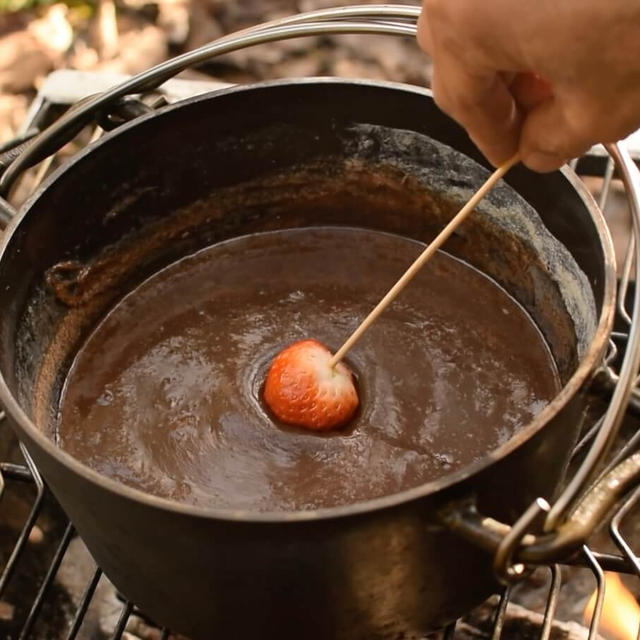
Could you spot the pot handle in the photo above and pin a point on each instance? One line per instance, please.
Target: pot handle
(12, 151)
(8, 153)
(7, 212)
(38, 145)
(513, 547)
(584, 504)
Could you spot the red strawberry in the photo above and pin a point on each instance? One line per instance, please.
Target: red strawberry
(302, 389)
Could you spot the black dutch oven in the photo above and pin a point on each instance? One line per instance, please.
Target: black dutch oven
(137, 200)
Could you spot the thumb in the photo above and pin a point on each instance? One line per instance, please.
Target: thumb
(529, 89)
(553, 132)
(481, 102)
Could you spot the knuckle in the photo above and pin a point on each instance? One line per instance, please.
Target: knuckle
(581, 125)
(466, 101)
(562, 149)
(547, 145)
(463, 103)
(434, 7)
(569, 138)
(592, 124)
(442, 98)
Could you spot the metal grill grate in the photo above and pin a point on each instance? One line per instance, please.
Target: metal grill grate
(64, 88)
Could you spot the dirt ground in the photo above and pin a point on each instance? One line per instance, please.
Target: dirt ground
(128, 36)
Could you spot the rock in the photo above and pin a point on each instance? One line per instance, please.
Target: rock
(14, 21)
(138, 50)
(28, 54)
(352, 68)
(13, 109)
(303, 67)
(22, 61)
(107, 29)
(84, 57)
(53, 31)
(175, 19)
(203, 25)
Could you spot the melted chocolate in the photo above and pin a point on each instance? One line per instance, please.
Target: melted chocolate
(165, 395)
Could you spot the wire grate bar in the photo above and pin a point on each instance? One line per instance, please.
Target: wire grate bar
(617, 536)
(35, 474)
(625, 278)
(87, 596)
(608, 562)
(16, 472)
(587, 438)
(606, 184)
(498, 622)
(600, 585)
(51, 572)
(122, 621)
(20, 544)
(449, 632)
(552, 602)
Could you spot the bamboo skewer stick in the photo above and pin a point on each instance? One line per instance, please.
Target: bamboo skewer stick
(438, 241)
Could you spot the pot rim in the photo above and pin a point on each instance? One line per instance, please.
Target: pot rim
(588, 364)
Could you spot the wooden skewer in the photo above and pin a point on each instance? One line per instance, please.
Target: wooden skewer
(438, 241)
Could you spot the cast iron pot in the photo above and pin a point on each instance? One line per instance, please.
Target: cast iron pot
(280, 155)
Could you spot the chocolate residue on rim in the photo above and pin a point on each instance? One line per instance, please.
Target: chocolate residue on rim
(165, 395)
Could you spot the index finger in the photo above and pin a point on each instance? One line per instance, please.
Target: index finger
(479, 100)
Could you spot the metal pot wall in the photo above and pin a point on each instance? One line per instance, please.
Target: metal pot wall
(171, 182)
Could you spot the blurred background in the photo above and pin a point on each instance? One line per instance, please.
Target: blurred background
(128, 36)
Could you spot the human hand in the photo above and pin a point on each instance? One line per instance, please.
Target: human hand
(547, 78)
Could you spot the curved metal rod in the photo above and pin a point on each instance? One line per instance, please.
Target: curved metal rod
(262, 34)
(624, 280)
(552, 602)
(6, 213)
(378, 12)
(558, 545)
(598, 573)
(563, 536)
(614, 529)
(629, 369)
(503, 567)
